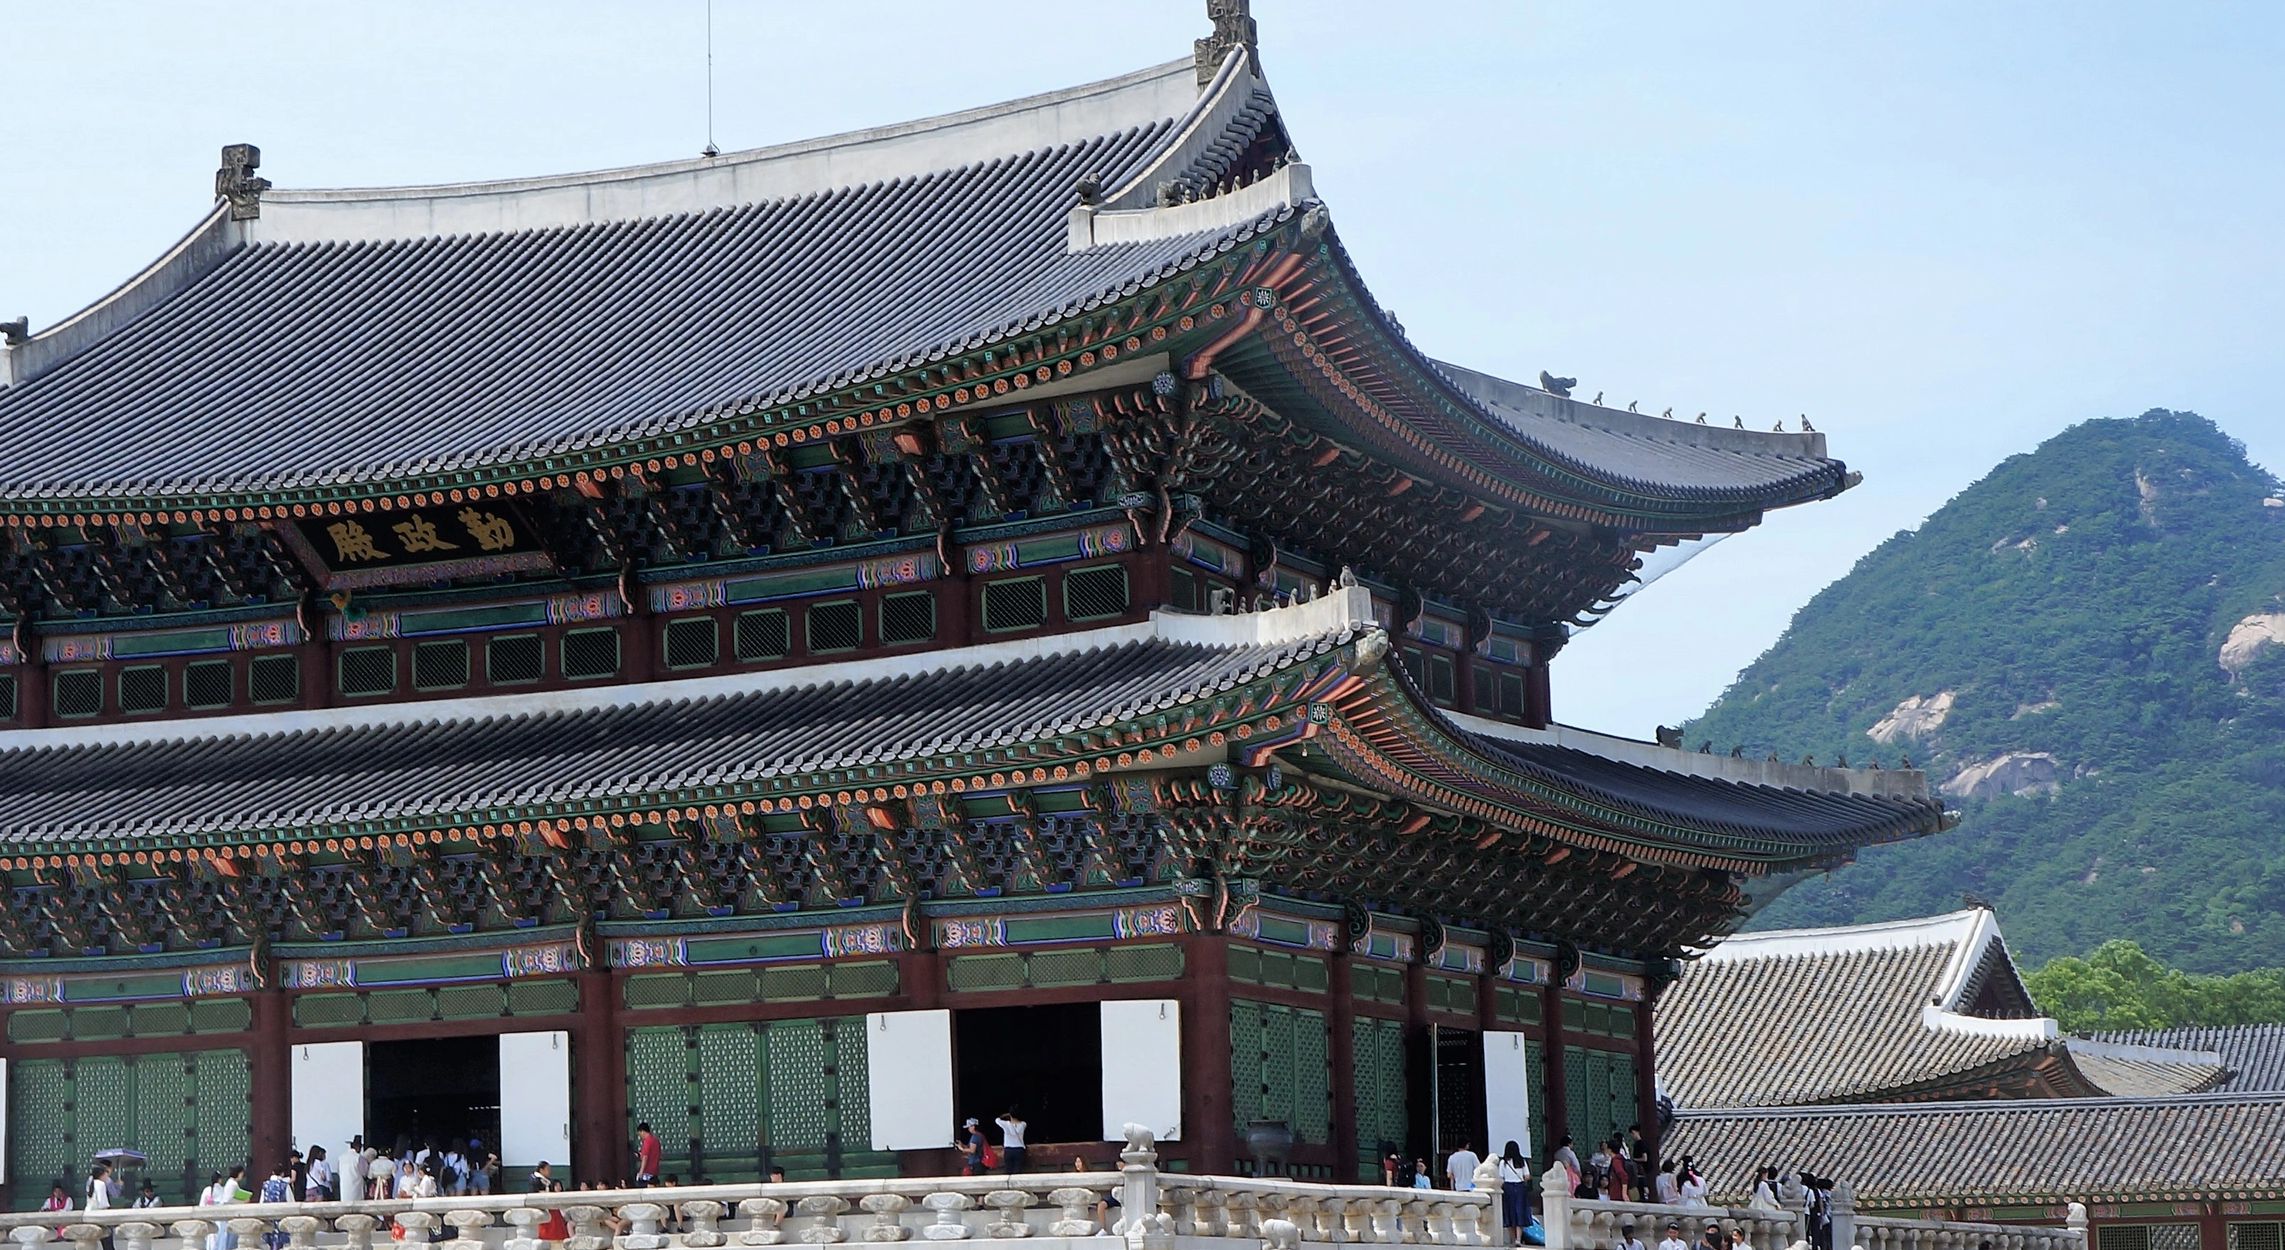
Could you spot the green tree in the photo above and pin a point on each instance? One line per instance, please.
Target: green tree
(2120, 987)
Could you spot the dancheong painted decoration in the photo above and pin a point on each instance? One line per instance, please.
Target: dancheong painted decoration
(801, 647)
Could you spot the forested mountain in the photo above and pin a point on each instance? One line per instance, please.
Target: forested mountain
(2087, 651)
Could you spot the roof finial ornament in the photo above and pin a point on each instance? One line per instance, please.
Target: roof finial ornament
(1233, 28)
(237, 182)
(15, 331)
(1553, 385)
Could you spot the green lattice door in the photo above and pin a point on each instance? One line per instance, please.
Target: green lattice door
(730, 1100)
(1280, 1069)
(186, 1111)
(1382, 1111)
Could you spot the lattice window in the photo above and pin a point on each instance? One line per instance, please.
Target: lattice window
(2123, 1237)
(207, 684)
(797, 1063)
(836, 626)
(7, 696)
(1382, 1112)
(514, 659)
(368, 671)
(1312, 1096)
(142, 690)
(908, 617)
(692, 642)
(1096, 593)
(591, 654)
(273, 679)
(1182, 590)
(729, 1093)
(2249, 1236)
(440, 664)
(1511, 694)
(760, 636)
(1143, 963)
(40, 1140)
(222, 1082)
(2173, 1237)
(1535, 1075)
(77, 693)
(1019, 603)
(1441, 686)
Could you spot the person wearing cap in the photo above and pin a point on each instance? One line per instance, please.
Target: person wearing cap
(971, 1147)
(148, 1197)
(1673, 1240)
(1627, 1239)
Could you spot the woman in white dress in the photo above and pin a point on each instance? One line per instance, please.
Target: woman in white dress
(1693, 1187)
(223, 1192)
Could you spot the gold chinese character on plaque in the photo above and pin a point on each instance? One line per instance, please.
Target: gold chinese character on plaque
(351, 542)
(490, 530)
(419, 534)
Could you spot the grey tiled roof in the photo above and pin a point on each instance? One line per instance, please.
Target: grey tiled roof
(2040, 1151)
(2134, 1077)
(1807, 815)
(2254, 1053)
(335, 766)
(1653, 453)
(1807, 1028)
(297, 363)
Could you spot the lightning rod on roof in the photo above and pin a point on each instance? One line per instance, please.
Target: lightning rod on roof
(710, 149)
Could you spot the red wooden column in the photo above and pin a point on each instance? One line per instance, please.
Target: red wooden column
(1342, 1016)
(920, 979)
(599, 1080)
(1558, 1115)
(1645, 1067)
(31, 681)
(1420, 1075)
(1209, 1129)
(271, 1068)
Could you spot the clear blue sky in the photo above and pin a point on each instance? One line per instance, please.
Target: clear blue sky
(1945, 230)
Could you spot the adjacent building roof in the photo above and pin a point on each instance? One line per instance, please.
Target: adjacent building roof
(1899, 1011)
(2254, 1053)
(2018, 1152)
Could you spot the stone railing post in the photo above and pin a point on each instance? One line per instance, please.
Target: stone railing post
(1555, 1210)
(467, 1229)
(705, 1218)
(2075, 1221)
(523, 1224)
(1077, 1206)
(1008, 1207)
(888, 1217)
(1146, 1227)
(826, 1211)
(1841, 1206)
(355, 1227)
(949, 1225)
(762, 1215)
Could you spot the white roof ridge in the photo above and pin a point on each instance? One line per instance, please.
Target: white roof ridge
(1957, 928)
(856, 158)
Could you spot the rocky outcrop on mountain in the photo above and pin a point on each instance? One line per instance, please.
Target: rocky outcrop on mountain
(1915, 718)
(2248, 638)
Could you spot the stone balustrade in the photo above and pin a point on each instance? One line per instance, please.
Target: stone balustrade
(1032, 1208)
(1573, 1223)
(1036, 1209)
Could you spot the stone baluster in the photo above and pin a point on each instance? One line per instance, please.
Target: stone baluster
(645, 1226)
(1305, 1210)
(888, 1217)
(824, 1212)
(1412, 1218)
(248, 1229)
(1241, 1214)
(1007, 1213)
(523, 1224)
(192, 1232)
(356, 1229)
(1078, 1209)
(137, 1235)
(1212, 1212)
(33, 1236)
(85, 1236)
(704, 1216)
(467, 1229)
(301, 1231)
(1349, 1219)
(762, 1216)
(949, 1226)
(1388, 1222)
(1467, 1223)
(1180, 1202)
(587, 1231)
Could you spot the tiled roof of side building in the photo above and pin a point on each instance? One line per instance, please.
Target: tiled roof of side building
(2254, 1053)
(2033, 1151)
(1890, 1011)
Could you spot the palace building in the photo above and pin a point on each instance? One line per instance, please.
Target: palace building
(803, 646)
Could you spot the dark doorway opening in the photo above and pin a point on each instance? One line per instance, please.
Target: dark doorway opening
(1459, 1092)
(1047, 1062)
(444, 1090)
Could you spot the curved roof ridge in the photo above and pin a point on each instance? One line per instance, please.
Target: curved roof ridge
(733, 179)
(1951, 928)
